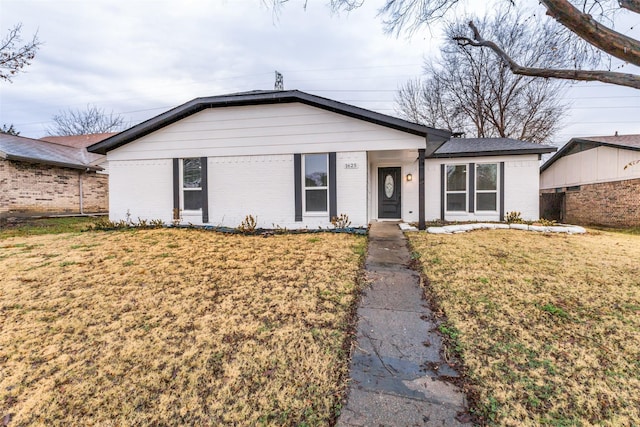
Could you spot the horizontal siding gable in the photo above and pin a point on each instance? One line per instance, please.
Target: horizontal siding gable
(601, 164)
(263, 130)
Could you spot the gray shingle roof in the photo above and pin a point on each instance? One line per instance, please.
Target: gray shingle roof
(36, 151)
(471, 147)
(258, 97)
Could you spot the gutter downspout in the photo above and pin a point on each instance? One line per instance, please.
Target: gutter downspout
(421, 189)
(80, 192)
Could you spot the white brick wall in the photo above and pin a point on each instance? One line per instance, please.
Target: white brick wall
(352, 187)
(142, 187)
(522, 187)
(262, 186)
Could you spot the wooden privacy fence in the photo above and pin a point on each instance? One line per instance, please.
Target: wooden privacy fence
(552, 206)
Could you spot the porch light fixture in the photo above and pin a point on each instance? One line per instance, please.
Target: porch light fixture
(409, 177)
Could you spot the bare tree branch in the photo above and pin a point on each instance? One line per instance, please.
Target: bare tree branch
(13, 57)
(590, 38)
(632, 5)
(631, 163)
(84, 122)
(600, 36)
(473, 91)
(622, 79)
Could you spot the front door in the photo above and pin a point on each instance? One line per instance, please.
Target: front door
(389, 184)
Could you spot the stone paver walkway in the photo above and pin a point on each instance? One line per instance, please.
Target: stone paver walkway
(392, 383)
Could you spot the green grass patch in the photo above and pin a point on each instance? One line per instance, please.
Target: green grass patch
(556, 311)
(34, 227)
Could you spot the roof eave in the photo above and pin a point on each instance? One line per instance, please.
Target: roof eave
(606, 144)
(52, 163)
(492, 153)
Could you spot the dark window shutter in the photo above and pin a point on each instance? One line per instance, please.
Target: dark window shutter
(297, 180)
(443, 178)
(176, 189)
(501, 190)
(205, 189)
(472, 186)
(333, 187)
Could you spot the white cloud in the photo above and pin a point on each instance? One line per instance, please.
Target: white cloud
(140, 57)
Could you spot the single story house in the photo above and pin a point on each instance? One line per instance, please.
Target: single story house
(296, 160)
(44, 178)
(594, 181)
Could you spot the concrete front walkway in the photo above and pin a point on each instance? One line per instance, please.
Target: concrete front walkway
(392, 377)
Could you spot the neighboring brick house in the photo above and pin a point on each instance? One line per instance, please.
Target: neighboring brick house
(594, 181)
(46, 178)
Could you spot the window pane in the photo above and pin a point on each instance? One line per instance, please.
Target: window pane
(457, 202)
(486, 201)
(316, 200)
(487, 177)
(457, 178)
(315, 170)
(191, 173)
(192, 200)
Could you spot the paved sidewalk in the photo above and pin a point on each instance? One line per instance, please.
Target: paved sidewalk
(391, 383)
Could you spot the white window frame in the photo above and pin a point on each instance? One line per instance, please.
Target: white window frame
(476, 175)
(305, 188)
(465, 192)
(183, 188)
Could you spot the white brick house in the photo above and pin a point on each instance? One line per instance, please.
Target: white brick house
(295, 160)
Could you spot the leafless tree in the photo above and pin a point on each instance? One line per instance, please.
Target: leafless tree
(84, 122)
(588, 21)
(14, 55)
(472, 91)
(9, 130)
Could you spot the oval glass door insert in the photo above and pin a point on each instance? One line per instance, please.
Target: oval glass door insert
(388, 186)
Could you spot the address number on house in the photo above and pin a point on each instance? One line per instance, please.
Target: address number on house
(351, 166)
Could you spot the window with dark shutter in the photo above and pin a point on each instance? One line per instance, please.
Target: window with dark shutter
(192, 184)
(487, 187)
(316, 183)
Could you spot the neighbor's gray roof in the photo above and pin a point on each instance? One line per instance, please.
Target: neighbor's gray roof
(36, 151)
(622, 141)
(78, 141)
(472, 147)
(627, 142)
(263, 97)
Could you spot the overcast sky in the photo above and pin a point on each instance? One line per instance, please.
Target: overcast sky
(139, 58)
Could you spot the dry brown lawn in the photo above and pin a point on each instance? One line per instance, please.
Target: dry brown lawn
(175, 327)
(548, 326)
